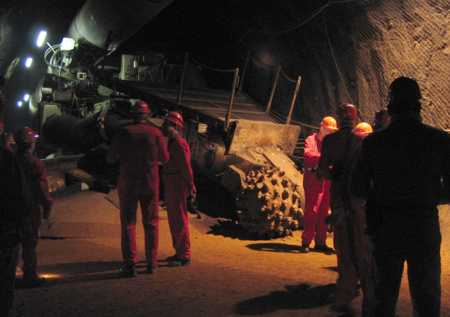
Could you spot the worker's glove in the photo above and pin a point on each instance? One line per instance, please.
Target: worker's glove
(172, 133)
(47, 217)
(192, 206)
(193, 192)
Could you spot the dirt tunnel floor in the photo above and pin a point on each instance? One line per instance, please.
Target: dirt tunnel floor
(229, 276)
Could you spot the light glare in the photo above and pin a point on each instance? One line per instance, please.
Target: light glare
(51, 276)
(28, 62)
(26, 97)
(19, 103)
(67, 44)
(41, 38)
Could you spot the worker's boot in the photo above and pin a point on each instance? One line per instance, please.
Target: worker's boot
(179, 262)
(127, 270)
(304, 248)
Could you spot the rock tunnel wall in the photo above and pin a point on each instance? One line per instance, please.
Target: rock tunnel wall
(351, 52)
(405, 38)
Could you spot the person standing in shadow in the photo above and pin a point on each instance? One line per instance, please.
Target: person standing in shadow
(404, 166)
(12, 215)
(35, 178)
(335, 165)
(361, 248)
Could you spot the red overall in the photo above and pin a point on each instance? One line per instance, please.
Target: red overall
(317, 197)
(35, 176)
(178, 185)
(140, 149)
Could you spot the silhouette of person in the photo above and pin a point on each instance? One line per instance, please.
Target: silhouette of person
(335, 165)
(401, 169)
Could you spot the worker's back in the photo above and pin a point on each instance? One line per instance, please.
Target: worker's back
(15, 197)
(140, 148)
(408, 161)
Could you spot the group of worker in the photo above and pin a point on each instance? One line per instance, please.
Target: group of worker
(25, 200)
(142, 152)
(141, 149)
(382, 189)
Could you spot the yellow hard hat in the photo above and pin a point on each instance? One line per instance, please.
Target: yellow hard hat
(362, 129)
(329, 123)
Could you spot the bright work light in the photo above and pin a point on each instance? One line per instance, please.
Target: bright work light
(28, 62)
(67, 44)
(26, 97)
(19, 103)
(41, 38)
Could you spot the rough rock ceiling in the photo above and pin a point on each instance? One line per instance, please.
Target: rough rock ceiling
(345, 50)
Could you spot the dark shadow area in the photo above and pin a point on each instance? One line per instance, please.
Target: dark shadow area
(281, 247)
(231, 229)
(213, 199)
(52, 238)
(302, 296)
(274, 247)
(67, 191)
(81, 267)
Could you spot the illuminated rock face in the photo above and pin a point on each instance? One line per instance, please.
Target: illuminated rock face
(409, 38)
(352, 52)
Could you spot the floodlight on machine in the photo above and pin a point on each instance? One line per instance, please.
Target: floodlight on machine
(26, 97)
(67, 44)
(42, 36)
(28, 62)
(33, 109)
(19, 103)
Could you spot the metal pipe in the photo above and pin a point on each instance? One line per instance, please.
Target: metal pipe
(87, 133)
(274, 88)
(294, 98)
(107, 24)
(244, 72)
(233, 94)
(183, 76)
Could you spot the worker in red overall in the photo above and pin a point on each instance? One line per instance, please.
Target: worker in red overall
(178, 186)
(34, 175)
(317, 195)
(140, 148)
